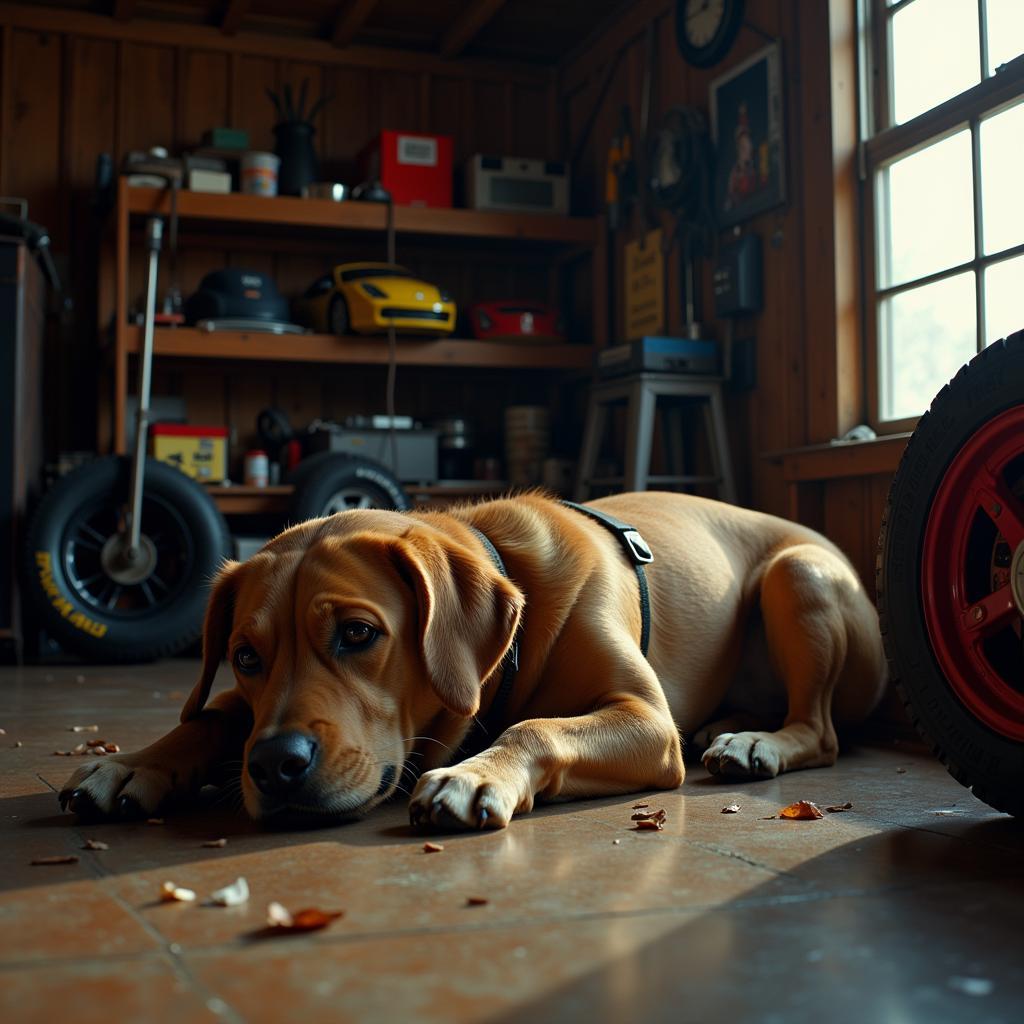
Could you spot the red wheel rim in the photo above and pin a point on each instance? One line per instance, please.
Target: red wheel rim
(972, 610)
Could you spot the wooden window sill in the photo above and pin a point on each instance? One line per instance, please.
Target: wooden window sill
(834, 461)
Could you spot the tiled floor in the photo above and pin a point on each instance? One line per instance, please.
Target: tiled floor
(909, 907)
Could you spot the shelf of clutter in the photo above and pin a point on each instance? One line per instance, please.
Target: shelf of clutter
(273, 500)
(192, 343)
(324, 214)
(243, 215)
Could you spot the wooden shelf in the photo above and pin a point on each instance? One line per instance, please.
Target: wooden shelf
(190, 343)
(289, 211)
(240, 500)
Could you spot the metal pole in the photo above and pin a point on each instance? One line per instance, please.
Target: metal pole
(154, 237)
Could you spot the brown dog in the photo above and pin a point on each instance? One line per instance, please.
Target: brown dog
(364, 639)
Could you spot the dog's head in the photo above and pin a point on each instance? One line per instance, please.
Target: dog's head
(349, 636)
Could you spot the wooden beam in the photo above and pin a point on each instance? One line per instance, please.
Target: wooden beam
(461, 31)
(123, 9)
(352, 16)
(234, 13)
(283, 47)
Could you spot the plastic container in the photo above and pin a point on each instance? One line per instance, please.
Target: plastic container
(259, 173)
(257, 468)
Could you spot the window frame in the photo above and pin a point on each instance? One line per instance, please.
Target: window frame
(883, 143)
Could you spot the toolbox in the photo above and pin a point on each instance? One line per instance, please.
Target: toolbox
(415, 168)
(199, 452)
(660, 355)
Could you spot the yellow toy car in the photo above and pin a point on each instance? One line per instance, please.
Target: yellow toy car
(368, 298)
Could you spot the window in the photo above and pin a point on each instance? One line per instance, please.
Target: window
(944, 197)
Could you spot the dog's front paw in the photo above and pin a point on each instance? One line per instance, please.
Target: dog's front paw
(117, 787)
(463, 797)
(743, 755)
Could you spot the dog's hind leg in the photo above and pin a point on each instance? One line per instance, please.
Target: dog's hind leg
(814, 610)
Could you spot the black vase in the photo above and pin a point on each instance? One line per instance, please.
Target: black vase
(298, 158)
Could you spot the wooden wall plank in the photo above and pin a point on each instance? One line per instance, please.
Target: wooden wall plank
(398, 103)
(203, 94)
(252, 110)
(33, 155)
(148, 77)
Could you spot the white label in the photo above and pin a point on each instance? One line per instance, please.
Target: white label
(414, 149)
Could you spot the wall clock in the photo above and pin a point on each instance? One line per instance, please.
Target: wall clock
(705, 29)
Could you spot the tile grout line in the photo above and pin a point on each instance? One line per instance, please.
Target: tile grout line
(242, 942)
(170, 952)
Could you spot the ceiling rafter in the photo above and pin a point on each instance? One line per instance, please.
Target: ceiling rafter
(352, 16)
(460, 32)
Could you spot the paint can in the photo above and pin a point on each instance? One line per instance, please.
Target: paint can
(259, 173)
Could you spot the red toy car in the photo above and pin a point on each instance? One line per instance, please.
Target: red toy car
(515, 320)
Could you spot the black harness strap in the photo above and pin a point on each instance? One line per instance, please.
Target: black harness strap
(484, 731)
(637, 552)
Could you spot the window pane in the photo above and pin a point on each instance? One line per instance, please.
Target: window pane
(1005, 31)
(935, 54)
(1004, 310)
(930, 221)
(927, 334)
(1002, 204)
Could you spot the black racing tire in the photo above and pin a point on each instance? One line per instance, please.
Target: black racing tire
(332, 482)
(92, 610)
(338, 320)
(950, 678)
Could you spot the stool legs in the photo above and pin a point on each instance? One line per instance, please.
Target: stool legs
(639, 436)
(718, 441)
(593, 434)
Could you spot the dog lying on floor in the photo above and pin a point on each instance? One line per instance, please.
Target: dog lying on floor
(367, 638)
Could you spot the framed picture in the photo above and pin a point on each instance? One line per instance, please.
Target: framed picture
(747, 130)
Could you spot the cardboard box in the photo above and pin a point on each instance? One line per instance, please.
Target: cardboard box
(199, 452)
(415, 168)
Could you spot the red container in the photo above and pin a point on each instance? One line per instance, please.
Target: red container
(415, 168)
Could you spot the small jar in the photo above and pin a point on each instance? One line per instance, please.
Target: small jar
(257, 468)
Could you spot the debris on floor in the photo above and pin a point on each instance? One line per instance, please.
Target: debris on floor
(83, 728)
(66, 858)
(214, 844)
(310, 920)
(653, 821)
(432, 847)
(95, 844)
(233, 895)
(836, 808)
(802, 810)
(731, 809)
(171, 893)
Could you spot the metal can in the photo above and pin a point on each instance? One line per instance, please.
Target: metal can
(257, 468)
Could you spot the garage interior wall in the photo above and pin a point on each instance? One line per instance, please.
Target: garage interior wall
(77, 86)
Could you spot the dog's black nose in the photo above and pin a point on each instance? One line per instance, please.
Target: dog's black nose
(282, 763)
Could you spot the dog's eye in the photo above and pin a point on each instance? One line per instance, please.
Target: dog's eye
(354, 634)
(247, 661)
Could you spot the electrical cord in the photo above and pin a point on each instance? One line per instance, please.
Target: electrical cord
(392, 351)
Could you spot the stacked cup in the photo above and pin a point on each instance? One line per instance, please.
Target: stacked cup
(526, 444)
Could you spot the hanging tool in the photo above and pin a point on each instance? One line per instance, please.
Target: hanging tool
(620, 179)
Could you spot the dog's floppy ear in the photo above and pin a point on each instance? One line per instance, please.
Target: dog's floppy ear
(468, 616)
(216, 630)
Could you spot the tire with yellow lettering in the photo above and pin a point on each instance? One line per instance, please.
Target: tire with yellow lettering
(93, 598)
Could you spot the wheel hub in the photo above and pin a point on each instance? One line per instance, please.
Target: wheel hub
(1017, 577)
(345, 499)
(125, 566)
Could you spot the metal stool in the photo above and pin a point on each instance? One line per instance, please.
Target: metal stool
(641, 391)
